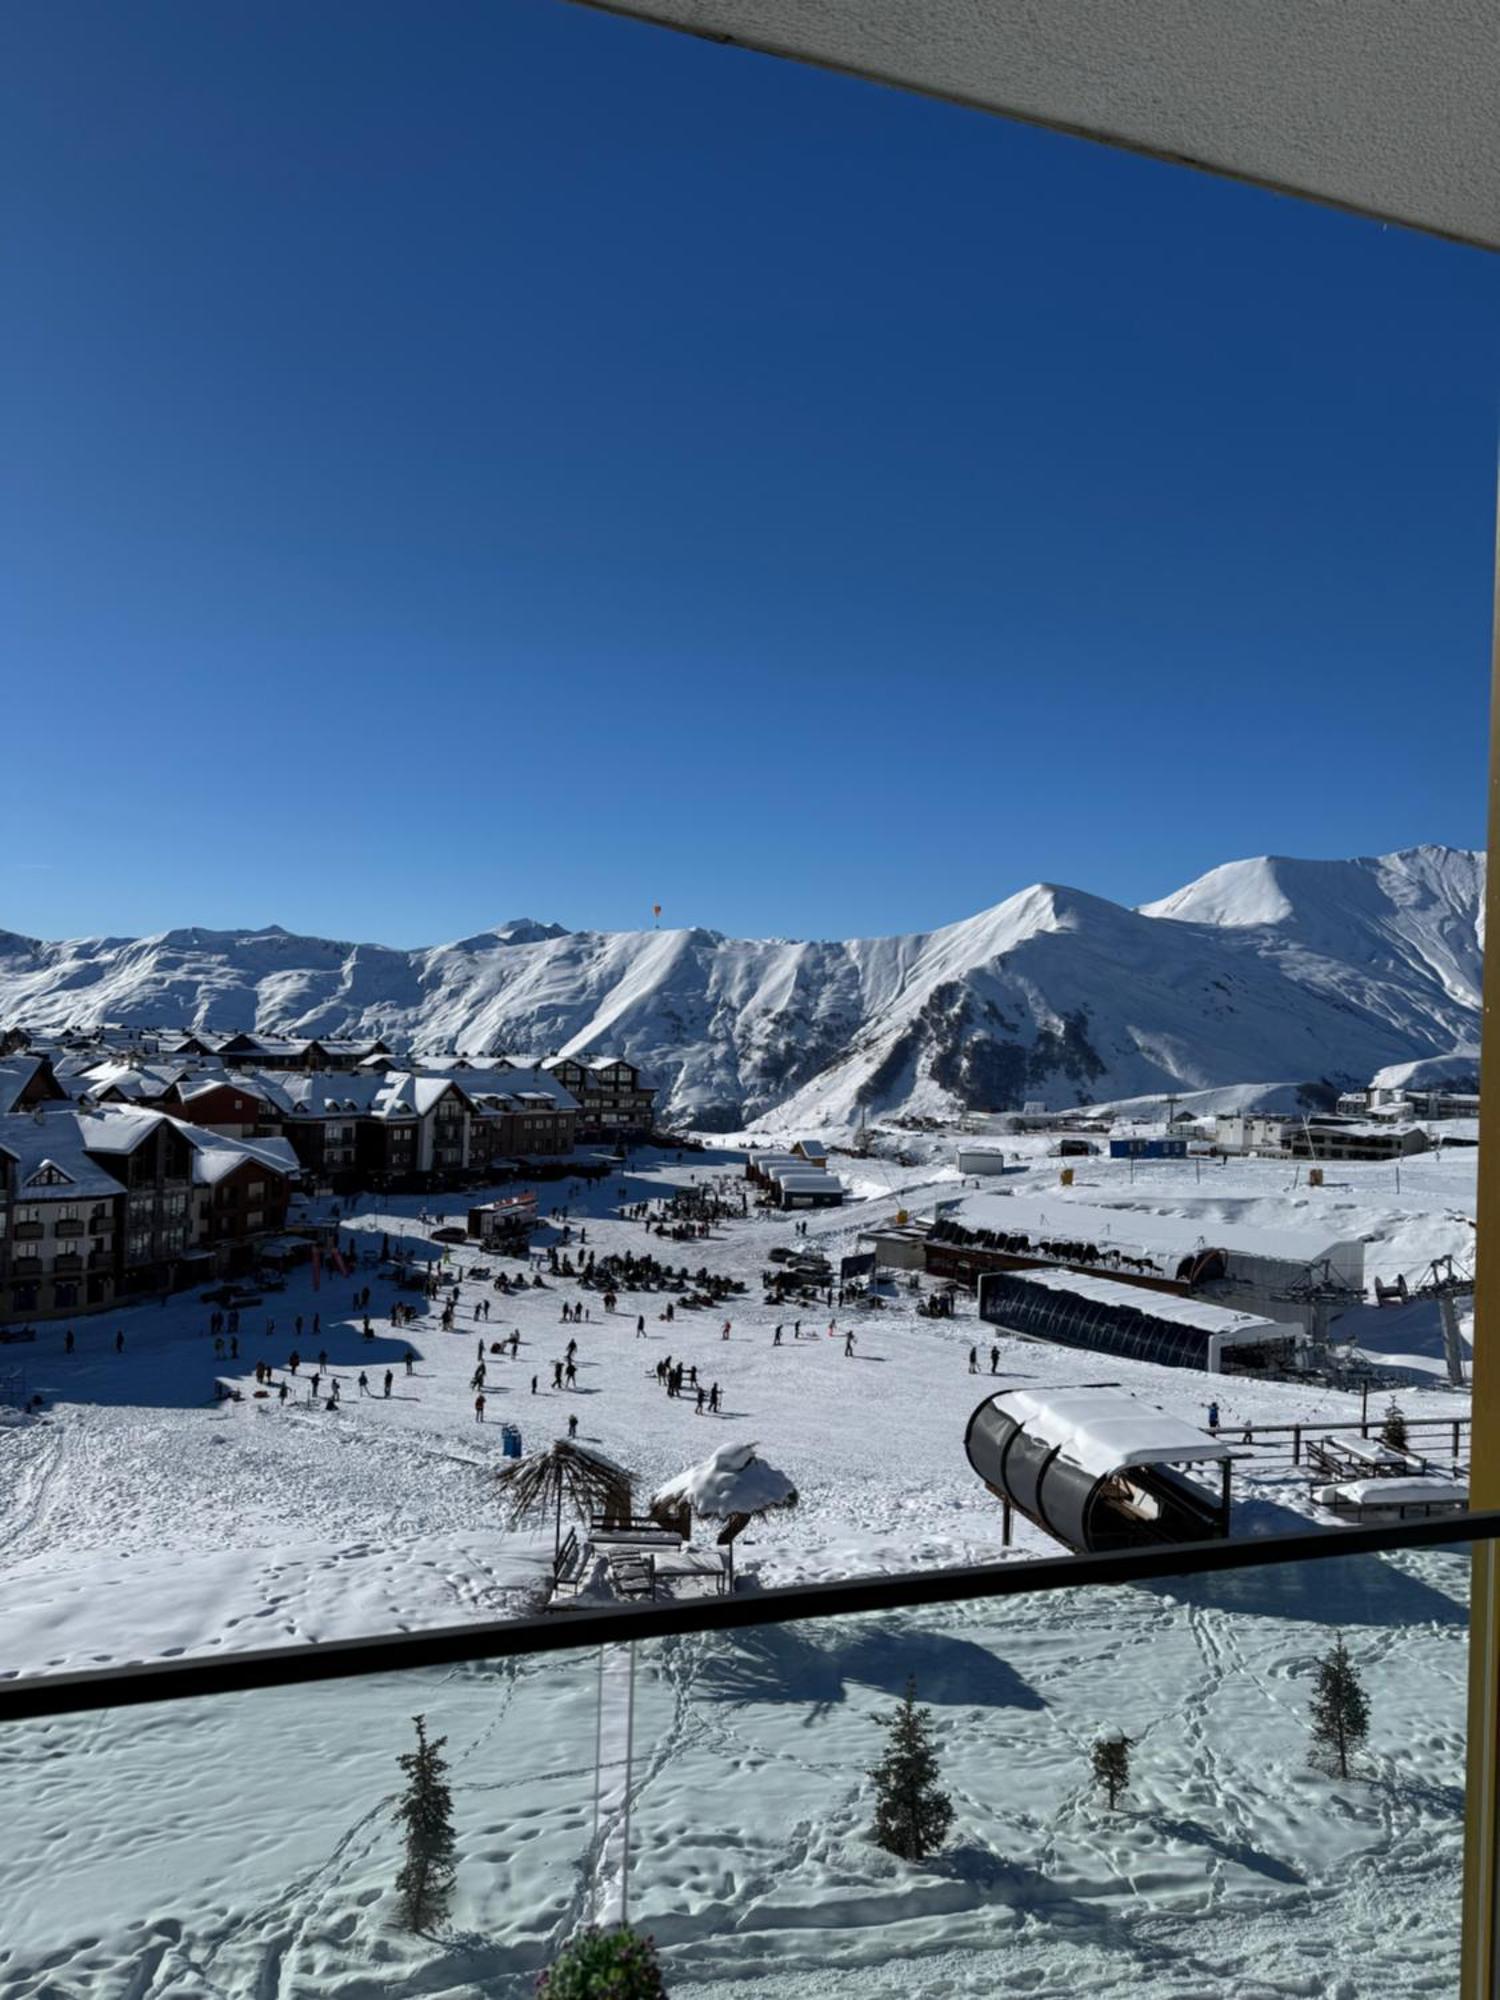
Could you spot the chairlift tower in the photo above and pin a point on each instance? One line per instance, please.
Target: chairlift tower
(1444, 1283)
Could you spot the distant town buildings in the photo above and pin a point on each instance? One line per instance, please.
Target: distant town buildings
(133, 1162)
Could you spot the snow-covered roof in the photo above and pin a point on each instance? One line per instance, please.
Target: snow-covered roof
(1136, 1229)
(115, 1129)
(55, 1140)
(215, 1157)
(731, 1480)
(1104, 1430)
(1225, 1321)
(16, 1072)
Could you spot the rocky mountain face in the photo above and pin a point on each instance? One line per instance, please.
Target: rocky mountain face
(1315, 972)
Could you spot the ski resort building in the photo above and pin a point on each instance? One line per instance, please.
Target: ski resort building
(100, 1206)
(1356, 1139)
(612, 1101)
(1252, 1268)
(1072, 1309)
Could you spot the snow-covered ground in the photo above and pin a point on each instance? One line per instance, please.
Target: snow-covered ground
(244, 1847)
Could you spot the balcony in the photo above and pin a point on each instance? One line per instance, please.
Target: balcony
(68, 1226)
(703, 1764)
(67, 1264)
(29, 1232)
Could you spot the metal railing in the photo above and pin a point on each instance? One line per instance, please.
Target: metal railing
(32, 1697)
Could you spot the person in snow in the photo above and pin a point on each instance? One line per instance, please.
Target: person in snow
(410, 1360)
(119, 1343)
(390, 1381)
(281, 1398)
(364, 1383)
(776, 1338)
(479, 1408)
(1213, 1416)
(533, 1385)
(973, 1360)
(571, 1374)
(849, 1345)
(994, 1360)
(557, 1369)
(640, 1326)
(68, 1341)
(573, 1426)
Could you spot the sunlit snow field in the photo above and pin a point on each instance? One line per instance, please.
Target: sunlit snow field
(245, 1847)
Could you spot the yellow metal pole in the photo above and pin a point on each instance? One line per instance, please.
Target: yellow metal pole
(1481, 1968)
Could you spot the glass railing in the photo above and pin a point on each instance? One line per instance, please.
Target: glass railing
(1235, 1769)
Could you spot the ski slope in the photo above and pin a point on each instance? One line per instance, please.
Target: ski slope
(245, 1847)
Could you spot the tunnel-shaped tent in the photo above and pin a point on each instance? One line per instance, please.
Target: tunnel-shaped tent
(1097, 1469)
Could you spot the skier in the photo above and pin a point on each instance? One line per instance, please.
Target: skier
(479, 1408)
(389, 1382)
(776, 1338)
(994, 1360)
(533, 1385)
(640, 1326)
(410, 1360)
(973, 1360)
(849, 1345)
(557, 1379)
(573, 1426)
(364, 1383)
(572, 1374)
(282, 1397)
(713, 1400)
(479, 1351)
(315, 1381)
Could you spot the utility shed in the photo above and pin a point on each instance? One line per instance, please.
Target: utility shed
(1073, 1309)
(1097, 1469)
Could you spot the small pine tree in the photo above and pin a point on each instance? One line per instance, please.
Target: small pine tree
(425, 1884)
(1112, 1764)
(1393, 1430)
(1340, 1709)
(912, 1816)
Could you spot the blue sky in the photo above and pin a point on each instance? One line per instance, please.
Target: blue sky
(480, 459)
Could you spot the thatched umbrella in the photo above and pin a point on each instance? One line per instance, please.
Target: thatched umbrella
(733, 1485)
(590, 1483)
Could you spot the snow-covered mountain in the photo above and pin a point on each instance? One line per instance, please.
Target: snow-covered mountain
(1316, 972)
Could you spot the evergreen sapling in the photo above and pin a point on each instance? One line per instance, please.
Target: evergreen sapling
(425, 1884)
(912, 1816)
(1111, 1762)
(1340, 1709)
(1393, 1429)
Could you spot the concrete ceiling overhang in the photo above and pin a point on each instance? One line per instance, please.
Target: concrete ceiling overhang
(1390, 108)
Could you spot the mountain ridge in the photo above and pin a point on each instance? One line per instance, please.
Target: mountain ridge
(1261, 970)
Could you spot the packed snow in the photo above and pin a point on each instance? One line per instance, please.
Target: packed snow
(245, 1846)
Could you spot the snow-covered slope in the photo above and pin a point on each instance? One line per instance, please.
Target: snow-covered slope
(1261, 971)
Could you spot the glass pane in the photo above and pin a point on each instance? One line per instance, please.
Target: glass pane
(247, 1845)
